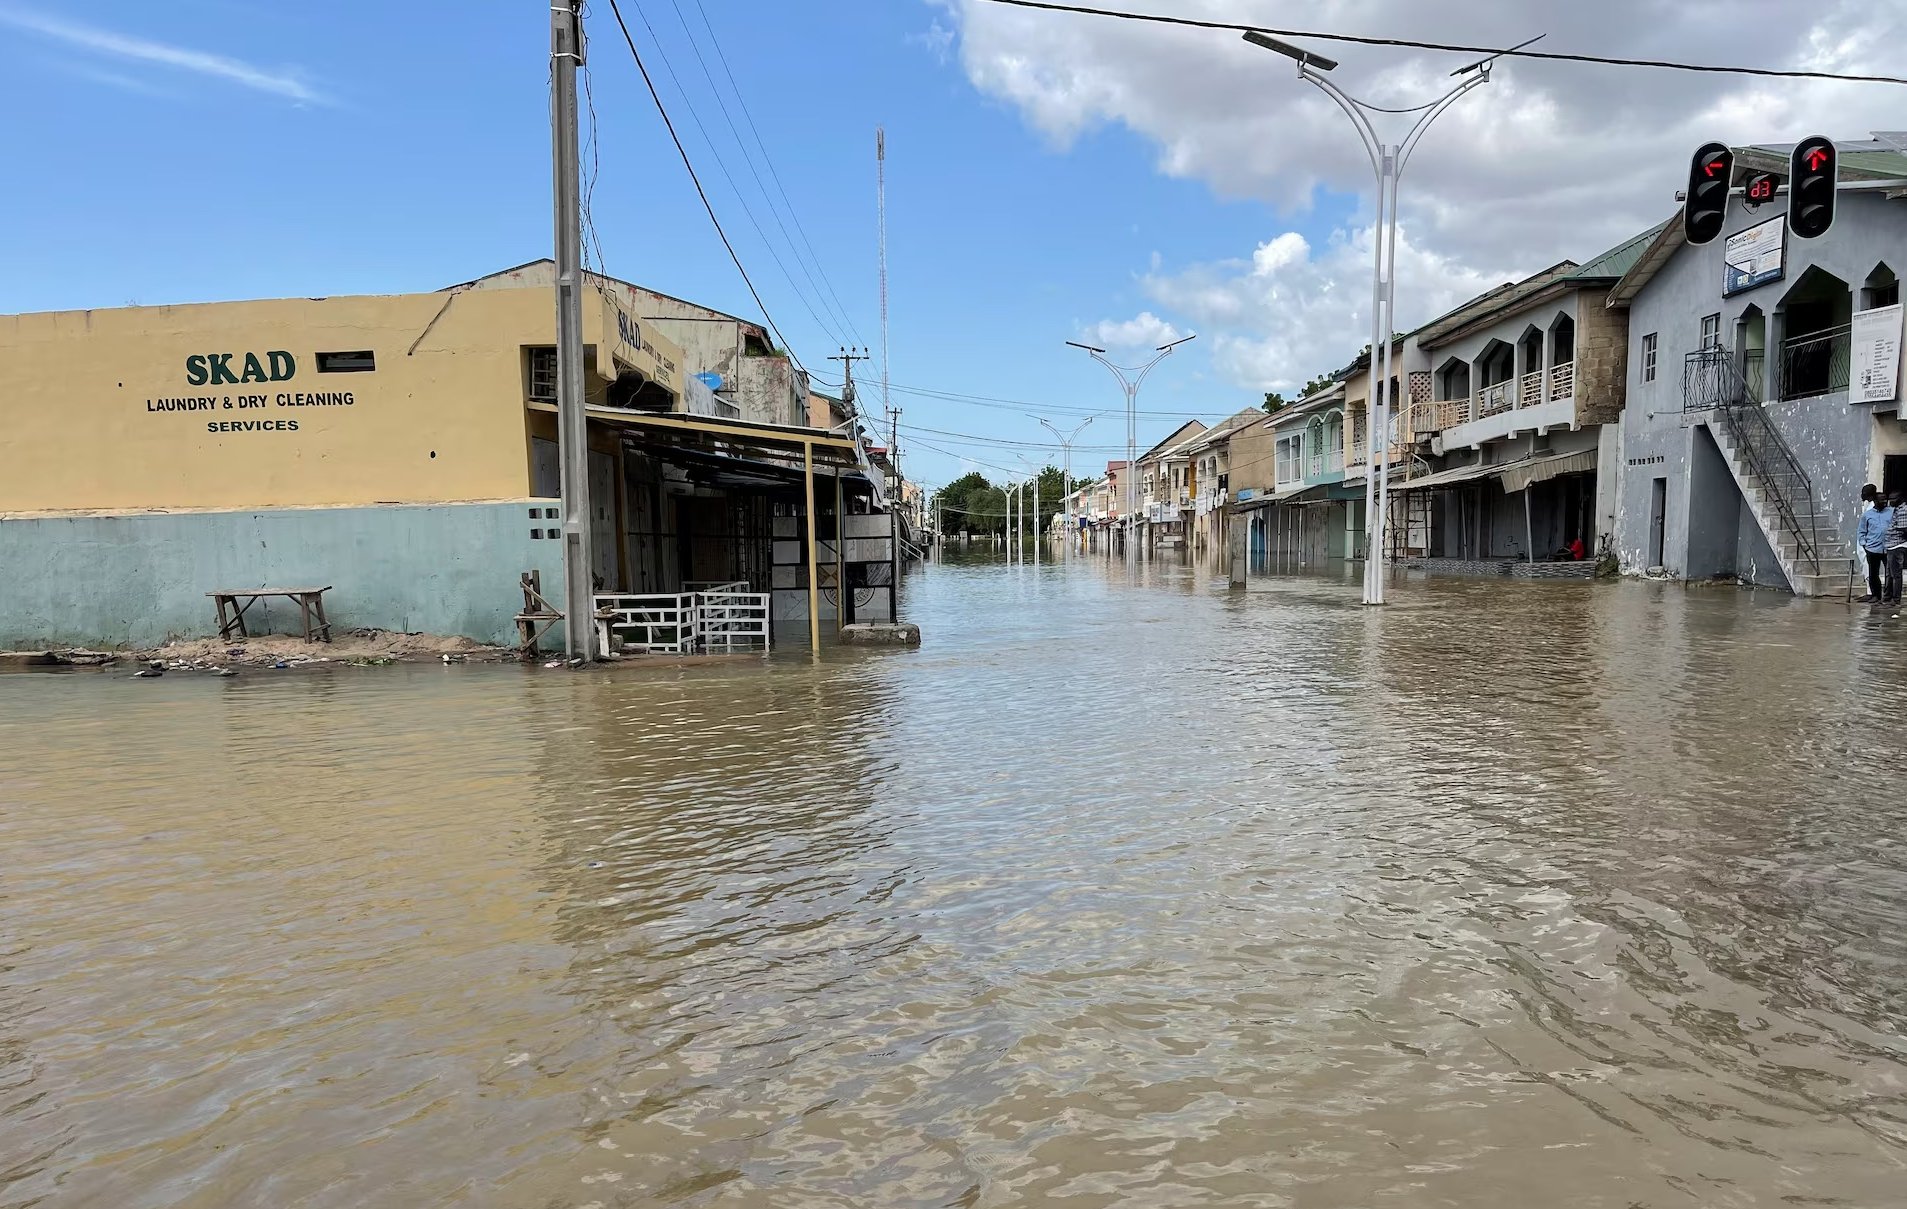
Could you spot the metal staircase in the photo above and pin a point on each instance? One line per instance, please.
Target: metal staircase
(1806, 542)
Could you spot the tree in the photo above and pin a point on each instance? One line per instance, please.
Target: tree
(961, 499)
(1274, 401)
(986, 510)
(1052, 493)
(1317, 384)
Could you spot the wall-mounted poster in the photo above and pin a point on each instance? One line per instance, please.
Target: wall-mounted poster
(1753, 257)
(1876, 364)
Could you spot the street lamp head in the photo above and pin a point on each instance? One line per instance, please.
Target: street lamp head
(1304, 57)
(1484, 65)
(1089, 348)
(1166, 348)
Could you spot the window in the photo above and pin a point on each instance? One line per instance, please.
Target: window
(543, 375)
(1648, 357)
(1711, 331)
(347, 363)
(1288, 460)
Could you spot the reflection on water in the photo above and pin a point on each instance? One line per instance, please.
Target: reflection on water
(1124, 890)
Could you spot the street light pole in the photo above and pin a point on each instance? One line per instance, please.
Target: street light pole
(1387, 162)
(1006, 529)
(1066, 454)
(1130, 380)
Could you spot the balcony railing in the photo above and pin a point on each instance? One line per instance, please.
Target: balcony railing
(1815, 364)
(1333, 460)
(1529, 388)
(1359, 454)
(1435, 416)
(1494, 400)
(1562, 382)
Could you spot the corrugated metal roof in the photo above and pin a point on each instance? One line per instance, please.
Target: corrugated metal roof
(1618, 260)
(1873, 159)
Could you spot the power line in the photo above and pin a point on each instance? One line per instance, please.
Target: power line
(773, 172)
(721, 163)
(748, 211)
(1410, 44)
(1021, 405)
(1004, 442)
(773, 210)
(700, 191)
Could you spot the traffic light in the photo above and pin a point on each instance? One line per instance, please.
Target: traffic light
(1705, 205)
(1813, 176)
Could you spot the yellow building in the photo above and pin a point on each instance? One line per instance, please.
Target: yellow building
(400, 449)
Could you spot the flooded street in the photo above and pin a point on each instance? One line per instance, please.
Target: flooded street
(1122, 891)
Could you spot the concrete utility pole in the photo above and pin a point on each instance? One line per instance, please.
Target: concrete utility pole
(1130, 380)
(572, 420)
(1239, 532)
(848, 357)
(1387, 162)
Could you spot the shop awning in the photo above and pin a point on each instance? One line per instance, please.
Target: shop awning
(733, 438)
(1446, 478)
(1290, 495)
(1536, 470)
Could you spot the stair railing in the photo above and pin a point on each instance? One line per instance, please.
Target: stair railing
(1711, 379)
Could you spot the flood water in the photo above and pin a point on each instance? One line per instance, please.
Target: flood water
(1123, 891)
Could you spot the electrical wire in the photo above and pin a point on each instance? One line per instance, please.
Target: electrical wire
(1489, 51)
(591, 238)
(748, 211)
(1006, 443)
(699, 190)
(1021, 405)
(774, 211)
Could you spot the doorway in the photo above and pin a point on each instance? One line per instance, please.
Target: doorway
(1894, 473)
(1658, 519)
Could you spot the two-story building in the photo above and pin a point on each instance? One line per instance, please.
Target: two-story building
(1210, 487)
(1519, 437)
(1313, 511)
(1161, 478)
(1763, 383)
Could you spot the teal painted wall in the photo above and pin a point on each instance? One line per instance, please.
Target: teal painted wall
(137, 580)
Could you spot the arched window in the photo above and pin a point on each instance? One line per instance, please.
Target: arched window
(1815, 316)
(1881, 288)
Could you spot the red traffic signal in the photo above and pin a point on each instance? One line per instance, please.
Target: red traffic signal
(1705, 204)
(1814, 169)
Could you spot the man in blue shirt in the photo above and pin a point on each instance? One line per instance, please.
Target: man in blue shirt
(1895, 539)
(1872, 538)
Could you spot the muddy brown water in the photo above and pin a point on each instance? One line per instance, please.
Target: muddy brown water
(1122, 891)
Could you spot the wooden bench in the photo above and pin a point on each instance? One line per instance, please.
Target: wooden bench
(310, 607)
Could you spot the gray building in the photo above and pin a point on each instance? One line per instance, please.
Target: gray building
(1743, 447)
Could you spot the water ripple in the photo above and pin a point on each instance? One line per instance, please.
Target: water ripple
(1123, 891)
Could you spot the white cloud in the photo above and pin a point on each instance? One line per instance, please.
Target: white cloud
(938, 40)
(141, 50)
(1144, 330)
(1549, 161)
(1290, 312)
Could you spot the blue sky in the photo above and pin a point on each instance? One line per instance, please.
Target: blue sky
(1039, 187)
